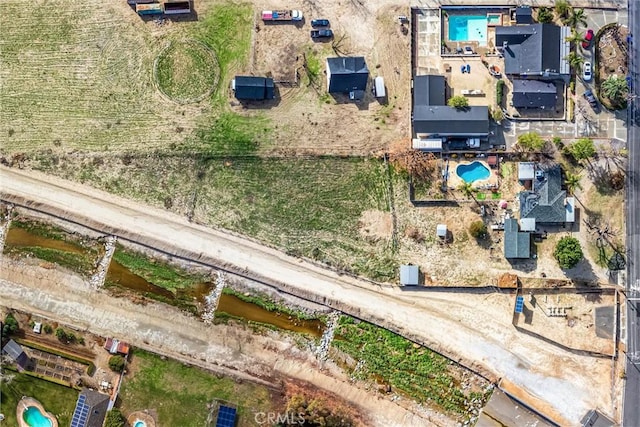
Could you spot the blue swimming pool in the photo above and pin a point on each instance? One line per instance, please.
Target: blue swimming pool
(473, 172)
(468, 28)
(140, 424)
(34, 418)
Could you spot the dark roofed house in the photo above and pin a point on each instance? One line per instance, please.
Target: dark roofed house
(253, 88)
(534, 94)
(17, 354)
(91, 409)
(523, 15)
(537, 50)
(547, 202)
(347, 74)
(433, 118)
(516, 243)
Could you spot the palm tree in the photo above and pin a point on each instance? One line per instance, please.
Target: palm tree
(572, 181)
(467, 189)
(562, 8)
(575, 37)
(575, 61)
(576, 18)
(615, 88)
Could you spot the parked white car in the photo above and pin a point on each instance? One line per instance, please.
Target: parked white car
(586, 71)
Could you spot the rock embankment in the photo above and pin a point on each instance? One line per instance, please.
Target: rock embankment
(97, 279)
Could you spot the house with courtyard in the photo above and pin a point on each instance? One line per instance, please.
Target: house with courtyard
(91, 409)
(438, 127)
(347, 75)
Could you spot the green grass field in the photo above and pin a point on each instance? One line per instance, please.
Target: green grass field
(415, 371)
(180, 394)
(57, 399)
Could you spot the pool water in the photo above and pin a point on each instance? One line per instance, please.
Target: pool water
(473, 172)
(140, 424)
(468, 28)
(34, 418)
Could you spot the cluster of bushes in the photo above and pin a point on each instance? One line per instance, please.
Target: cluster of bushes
(478, 230)
(116, 363)
(10, 325)
(499, 91)
(67, 337)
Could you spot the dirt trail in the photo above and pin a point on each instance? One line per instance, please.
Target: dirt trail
(475, 329)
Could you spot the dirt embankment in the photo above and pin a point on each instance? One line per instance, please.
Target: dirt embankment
(474, 329)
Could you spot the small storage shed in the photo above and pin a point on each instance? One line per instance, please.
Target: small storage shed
(380, 91)
(253, 88)
(409, 275)
(526, 171)
(524, 15)
(149, 9)
(441, 231)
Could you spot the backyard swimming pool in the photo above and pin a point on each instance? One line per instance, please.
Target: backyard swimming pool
(473, 172)
(468, 28)
(34, 418)
(140, 424)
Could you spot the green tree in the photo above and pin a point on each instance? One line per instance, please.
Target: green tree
(615, 88)
(478, 229)
(576, 18)
(562, 8)
(10, 326)
(572, 181)
(575, 37)
(114, 418)
(545, 15)
(582, 149)
(575, 61)
(48, 329)
(531, 141)
(458, 102)
(116, 363)
(568, 252)
(497, 114)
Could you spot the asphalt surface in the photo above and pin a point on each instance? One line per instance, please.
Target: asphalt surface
(632, 387)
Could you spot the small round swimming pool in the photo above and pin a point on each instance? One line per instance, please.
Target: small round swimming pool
(473, 172)
(139, 423)
(34, 418)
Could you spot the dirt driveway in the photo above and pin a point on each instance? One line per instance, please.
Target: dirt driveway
(475, 329)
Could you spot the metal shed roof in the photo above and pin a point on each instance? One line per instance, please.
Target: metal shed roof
(526, 171)
(409, 275)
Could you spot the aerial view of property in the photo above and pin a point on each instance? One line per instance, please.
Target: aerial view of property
(230, 213)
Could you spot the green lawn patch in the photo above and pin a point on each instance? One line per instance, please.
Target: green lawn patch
(180, 394)
(231, 134)
(496, 196)
(481, 196)
(186, 71)
(414, 370)
(155, 271)
(57, 399)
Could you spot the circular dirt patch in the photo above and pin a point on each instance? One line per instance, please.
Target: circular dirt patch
(186, 71)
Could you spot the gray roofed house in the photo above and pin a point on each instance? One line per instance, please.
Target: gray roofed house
(347, 74)
(516, 243)
(17, 354)
(432, 117)
(91, 409)
(547, 202)
(534, 94)
(534, 50)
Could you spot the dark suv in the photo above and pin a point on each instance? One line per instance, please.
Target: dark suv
(319, 23)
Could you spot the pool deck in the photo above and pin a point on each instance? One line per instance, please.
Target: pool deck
(143, 416)
(24, 403)
(482, 184)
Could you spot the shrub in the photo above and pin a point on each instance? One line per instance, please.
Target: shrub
(478, 230)
(582, 149)
(114, 418)
(497, 114)
(116, 363)
(545, 15)
(10, 325)
(458, 101)
(48, 329)
(65, 337)
(568, 252)
(499, 90)
(531, 141)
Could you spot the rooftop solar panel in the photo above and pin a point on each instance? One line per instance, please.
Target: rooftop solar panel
(519, 304)
(81, 412)
(226, 417)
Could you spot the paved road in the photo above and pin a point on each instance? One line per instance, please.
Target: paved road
(632, 387)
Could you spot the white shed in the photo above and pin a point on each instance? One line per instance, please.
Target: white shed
(379, 87)
(526, 171)
(409, 275)
(441, 231)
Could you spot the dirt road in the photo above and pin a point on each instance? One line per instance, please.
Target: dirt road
(473, 328)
